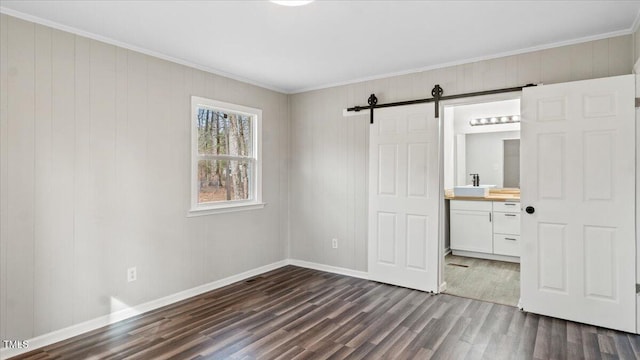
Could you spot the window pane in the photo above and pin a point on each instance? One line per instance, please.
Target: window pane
(223, 133)
(208, 125)
(240, 135)
(224, 180)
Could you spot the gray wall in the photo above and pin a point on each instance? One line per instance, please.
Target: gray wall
(328, 196)
(636, 45)
(94, 178)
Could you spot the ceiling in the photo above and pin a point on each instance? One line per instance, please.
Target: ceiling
(325, 43)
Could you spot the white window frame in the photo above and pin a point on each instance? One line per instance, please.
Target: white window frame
(198, 209)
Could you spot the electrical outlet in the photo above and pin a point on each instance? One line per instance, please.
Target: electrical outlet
(334, 243)
(132, 274)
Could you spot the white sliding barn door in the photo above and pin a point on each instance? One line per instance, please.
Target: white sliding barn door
(578, 173)
(404, 195)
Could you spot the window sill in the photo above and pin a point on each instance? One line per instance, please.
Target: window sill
(225, 209)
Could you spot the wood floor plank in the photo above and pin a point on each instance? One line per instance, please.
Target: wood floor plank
(297, 313)
(528, 334)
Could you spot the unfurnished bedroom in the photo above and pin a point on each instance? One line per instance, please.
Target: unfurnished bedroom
(319, 179)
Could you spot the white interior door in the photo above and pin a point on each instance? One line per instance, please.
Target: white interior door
(404, 196)
(578, 173)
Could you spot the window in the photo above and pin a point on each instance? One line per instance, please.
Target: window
(225, 157)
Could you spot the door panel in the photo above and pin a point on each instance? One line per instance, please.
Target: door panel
(578, 258)
(551, 153)
(387, 238)
(417, 237)
(552, 263)
(418, 176)
(599, 259)
(404, 197)
(388, 157)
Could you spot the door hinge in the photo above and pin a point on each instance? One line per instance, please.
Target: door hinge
(637, 289)
(637, 102)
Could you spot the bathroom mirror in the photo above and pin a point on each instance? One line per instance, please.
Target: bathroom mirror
(490, 149)
(491, 155)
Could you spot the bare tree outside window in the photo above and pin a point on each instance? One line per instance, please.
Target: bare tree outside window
(226, 155)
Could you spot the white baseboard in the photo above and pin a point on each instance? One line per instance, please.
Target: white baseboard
(81, 328)
(329, 268)
(77, 329)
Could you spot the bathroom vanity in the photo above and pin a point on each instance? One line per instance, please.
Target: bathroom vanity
(485, 227)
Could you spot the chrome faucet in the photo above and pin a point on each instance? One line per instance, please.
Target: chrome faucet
(475, 179)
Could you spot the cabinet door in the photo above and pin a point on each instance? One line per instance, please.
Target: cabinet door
(471, 231)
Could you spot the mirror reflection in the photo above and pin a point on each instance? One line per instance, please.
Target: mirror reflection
(482, 139)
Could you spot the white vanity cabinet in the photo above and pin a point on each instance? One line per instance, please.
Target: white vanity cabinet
(486, 229)
(506, 228)
(471, 228)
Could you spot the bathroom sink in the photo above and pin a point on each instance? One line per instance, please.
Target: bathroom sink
(474, 191)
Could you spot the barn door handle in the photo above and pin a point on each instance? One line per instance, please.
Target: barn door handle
(530, 209)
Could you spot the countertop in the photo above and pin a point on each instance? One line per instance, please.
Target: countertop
(507, 194)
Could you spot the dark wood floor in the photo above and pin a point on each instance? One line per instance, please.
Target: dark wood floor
(296, 313)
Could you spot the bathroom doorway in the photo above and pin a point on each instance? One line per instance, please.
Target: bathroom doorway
(480, 258)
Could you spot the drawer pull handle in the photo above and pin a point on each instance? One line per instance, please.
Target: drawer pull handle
(509, 204)
(512, 239)
(509, 214)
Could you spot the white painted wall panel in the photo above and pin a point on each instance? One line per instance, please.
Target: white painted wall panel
(20, 178)
(43, 190)
(62, 179)
(581, 61)
(601, 58)
(620, 50)
(4, 170)
(94, 178)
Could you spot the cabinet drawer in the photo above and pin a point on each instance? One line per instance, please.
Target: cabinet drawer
(506, 245)
(506, 223)
(470, 205)
(506, 206)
